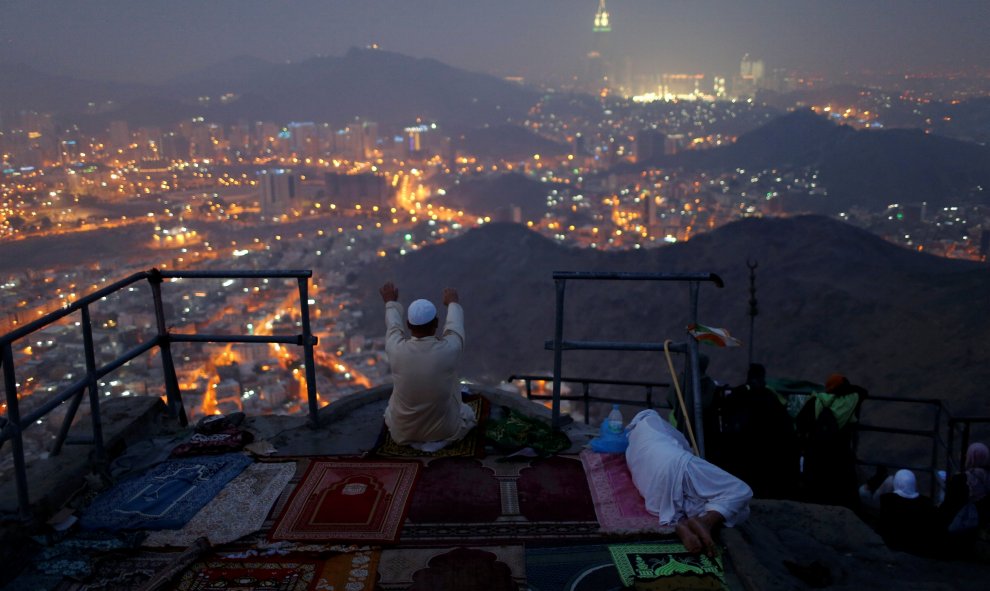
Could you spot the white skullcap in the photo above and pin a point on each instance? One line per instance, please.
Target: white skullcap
(421, 312)
(905, 484)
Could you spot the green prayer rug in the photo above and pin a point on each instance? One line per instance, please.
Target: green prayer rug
(667, 566)
(468, 446)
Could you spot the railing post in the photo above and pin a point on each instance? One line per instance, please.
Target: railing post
(558, 338)
(307, 342)
(934, 464)
(16, 436)
(172, 392)
(93, 387)
(587, 403)
(699, 427)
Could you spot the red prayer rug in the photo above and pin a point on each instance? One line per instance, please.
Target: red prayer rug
(362, 501)
(619, 506)
(354, 571)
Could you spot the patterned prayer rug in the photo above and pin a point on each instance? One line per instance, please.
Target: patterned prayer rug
(363, 501)
(619, 506)
(667, 566)
(571, 568)
(353, 571)
(239, 509)
(165, 497)
(470, 495)
(470, 446)
(119, 571)
(455, 490)
(555, 489)
(407, 567)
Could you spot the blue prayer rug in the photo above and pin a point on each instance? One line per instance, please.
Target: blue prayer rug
(166, 496)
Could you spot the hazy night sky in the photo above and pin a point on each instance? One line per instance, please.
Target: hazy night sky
(152, 40)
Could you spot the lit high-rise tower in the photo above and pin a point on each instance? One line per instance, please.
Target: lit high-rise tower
(602, 22)
(597, 74)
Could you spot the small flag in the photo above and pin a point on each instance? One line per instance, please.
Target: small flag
(715, 336)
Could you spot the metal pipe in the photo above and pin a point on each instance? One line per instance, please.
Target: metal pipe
(172, 393)
(558, 338)
(14, 426)
(47, 319)
(63, 430)
(94, 391)
(308, 340)
(699, 423)
(615, 346)
(214, 338)
(245, 274)
(589, 380)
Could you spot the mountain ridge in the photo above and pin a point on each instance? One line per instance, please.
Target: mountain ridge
(831, 298)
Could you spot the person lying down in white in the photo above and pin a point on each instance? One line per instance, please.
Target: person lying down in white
(682, 489)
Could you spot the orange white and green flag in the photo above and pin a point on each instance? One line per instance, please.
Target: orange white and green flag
(719, 337)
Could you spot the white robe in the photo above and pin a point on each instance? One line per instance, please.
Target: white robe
(425, 405)
(674, 482)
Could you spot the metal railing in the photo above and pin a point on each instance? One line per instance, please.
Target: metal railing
(586, 395)
(15, 425)
(558, 345)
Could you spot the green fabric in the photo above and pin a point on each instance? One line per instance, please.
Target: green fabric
(516, 431)
(793, 393)
(654, 561)
(842, 407)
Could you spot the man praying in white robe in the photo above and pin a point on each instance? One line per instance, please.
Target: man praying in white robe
(425, 410)
(682, 489)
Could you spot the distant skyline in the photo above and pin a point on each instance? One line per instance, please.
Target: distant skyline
(153, 40)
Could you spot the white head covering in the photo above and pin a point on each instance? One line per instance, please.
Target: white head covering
(905, 484)
(421, 312)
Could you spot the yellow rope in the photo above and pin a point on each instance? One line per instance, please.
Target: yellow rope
(680, 396)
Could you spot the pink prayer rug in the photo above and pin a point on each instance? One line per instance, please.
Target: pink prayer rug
(361, 501)
(619, 506)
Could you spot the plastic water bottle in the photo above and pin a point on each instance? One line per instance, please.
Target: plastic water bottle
(614, 420)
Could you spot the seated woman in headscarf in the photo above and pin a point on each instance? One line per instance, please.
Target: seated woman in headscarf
(966, 507)
(681, 489)
(907, 517)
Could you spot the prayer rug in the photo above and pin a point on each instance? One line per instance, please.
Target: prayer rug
(667, 566)
(493, 567)
(512, 431)
(619, 506)
(353, 571)
(165, 497)
(571, 568)
(555, 489)
(362, 501)
(119, 571)
(453, 490)
(239, 509)
(470, 445)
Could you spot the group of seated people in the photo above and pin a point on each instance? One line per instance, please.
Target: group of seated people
(913, 522)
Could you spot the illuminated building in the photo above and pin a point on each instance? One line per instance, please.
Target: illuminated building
(750, 78)
(596, 78)
(278, 186)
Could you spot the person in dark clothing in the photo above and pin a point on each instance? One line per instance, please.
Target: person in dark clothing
(966, 508)
(908, 521)
(758, 442)
(827, 430)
